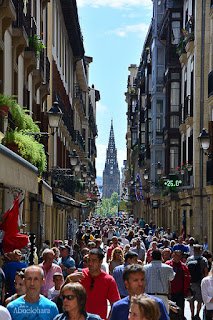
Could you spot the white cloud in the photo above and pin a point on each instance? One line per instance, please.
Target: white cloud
(140, 29)
(101, 158)
(119, 4)
(101, 108)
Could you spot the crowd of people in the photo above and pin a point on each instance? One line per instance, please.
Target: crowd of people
(116, 269)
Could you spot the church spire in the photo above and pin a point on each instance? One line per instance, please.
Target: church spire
(111, 174)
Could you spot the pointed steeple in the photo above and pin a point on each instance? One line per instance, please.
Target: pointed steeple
(111, 174)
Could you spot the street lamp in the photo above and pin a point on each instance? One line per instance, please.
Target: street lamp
(204, 139)
(74, 158)
(159, 168)
(146, 174)
(84, 172)
(54, 115)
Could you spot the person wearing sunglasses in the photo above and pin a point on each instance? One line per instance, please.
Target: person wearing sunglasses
(74, 299)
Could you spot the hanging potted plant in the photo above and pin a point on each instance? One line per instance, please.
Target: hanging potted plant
(5, 103)
(189, 166)
(9, 140)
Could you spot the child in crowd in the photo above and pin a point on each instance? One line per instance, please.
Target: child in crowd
(54, 292)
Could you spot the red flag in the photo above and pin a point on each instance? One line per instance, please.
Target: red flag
(12, 239)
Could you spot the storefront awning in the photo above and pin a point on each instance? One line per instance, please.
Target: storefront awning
(17, 172)
(67, 201)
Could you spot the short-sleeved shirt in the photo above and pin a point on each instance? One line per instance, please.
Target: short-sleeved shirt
(44, 309)
(103, 288)
(118, 276)
(141, 252)
(120, 309)
(48, 276)
(158, 275)
(10, 272)
(68, 262)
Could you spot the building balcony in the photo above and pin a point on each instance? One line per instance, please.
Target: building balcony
(67, 118)
(22, 21)
(81, 74)
(78, 96)
(8, 14)
(79, 140)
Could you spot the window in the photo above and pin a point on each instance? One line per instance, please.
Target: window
(158, 156)
(176, 15)
(160, 74)
(174, 121)
(175, 76)
(175, 97)
(160, 54)
(159, 123)
(159, 106)
(143, 137)
(173, 157)
(175, 36)
(134, 103)
(134, 138)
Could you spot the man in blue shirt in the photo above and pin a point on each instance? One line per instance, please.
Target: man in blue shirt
(180, 246)
(130, 258)
(66, 263)
(32, 305)
(10, 270)
(134, 279)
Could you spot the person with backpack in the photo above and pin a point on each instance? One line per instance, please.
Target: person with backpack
(181, 282)
(198, 268)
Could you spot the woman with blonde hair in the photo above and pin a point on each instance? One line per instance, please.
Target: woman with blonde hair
(143, 307)
(117, 258)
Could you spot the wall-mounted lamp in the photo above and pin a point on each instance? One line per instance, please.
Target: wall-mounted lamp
(159, 168)
(146, 174)
(54, 116)
(204, 139)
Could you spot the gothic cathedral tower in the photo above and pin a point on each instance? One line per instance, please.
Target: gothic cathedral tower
(111, 173)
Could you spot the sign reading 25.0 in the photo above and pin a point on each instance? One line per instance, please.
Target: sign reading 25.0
(173, 183)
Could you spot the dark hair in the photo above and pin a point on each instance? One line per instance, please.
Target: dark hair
(156, 254)
(80, 293)
(97, 252)
(130, 255)
(207, 254)
(57, 274)
(196, 247)
(20, 273)
(132, 268)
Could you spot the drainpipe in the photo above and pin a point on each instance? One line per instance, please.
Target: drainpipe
(201, 114)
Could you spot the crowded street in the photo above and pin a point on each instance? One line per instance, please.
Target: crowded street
(106, 159)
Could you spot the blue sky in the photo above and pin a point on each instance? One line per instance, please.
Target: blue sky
(114, 32)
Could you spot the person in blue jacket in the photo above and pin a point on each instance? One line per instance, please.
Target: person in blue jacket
(134, 279)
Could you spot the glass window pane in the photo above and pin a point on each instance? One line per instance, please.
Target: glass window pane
(175, 97)
(174, 121)
(159, 106)
(160, 54)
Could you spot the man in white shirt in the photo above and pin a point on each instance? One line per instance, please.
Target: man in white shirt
(124, 241)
